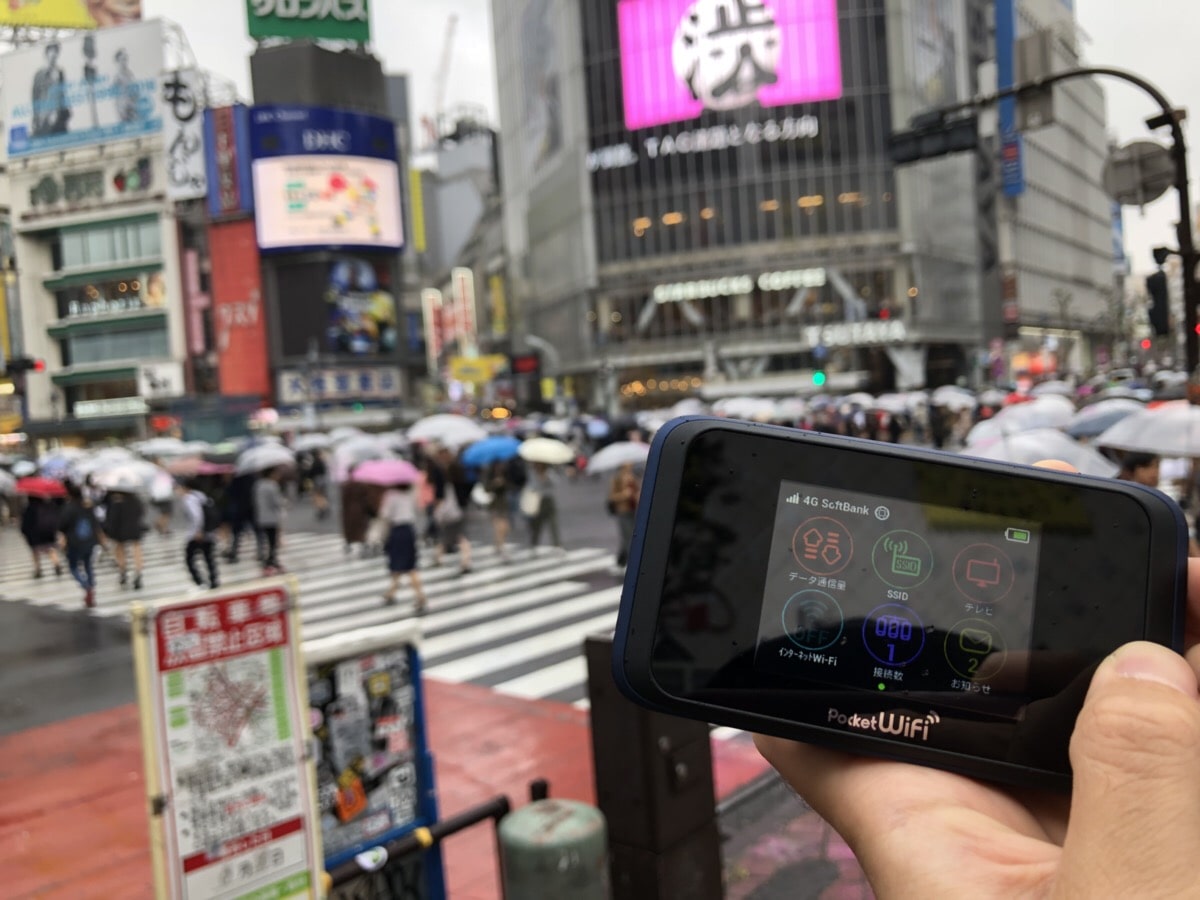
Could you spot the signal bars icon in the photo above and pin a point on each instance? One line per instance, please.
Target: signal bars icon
(795, 498)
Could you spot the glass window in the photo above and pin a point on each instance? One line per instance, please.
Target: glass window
(108, 244)
(145, 343)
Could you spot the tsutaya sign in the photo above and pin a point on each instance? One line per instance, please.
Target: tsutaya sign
(734, 285)
(856, 334)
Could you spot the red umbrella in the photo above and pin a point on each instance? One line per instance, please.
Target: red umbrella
(37, 486)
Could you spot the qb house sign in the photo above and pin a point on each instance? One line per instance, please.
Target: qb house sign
(682, 57)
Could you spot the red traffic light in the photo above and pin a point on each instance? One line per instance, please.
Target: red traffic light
(1146, 343)
(39, 365)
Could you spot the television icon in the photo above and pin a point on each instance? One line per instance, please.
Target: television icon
(983, 573)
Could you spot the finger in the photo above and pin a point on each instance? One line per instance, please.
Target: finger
(1135, 752)
(1192, 626)
(1055, 465)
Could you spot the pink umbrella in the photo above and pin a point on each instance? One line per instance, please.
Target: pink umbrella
(385, 472)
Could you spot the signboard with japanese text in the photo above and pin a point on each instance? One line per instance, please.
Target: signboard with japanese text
(82, 14)
(70, 189)
(431, 308)
(374, 770)
(462, 286)
(183, 134)
(85, 89)
(225, 734)
(227, 160)
(331, 385)
(335, 20)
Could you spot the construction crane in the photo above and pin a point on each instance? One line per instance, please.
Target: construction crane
(441, 76)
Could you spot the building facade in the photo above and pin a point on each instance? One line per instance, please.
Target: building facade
(699, 197)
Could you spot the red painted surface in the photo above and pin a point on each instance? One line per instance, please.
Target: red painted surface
(72, 800)
(239, 317)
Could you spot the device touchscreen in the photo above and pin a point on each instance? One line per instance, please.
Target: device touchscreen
(891, 595)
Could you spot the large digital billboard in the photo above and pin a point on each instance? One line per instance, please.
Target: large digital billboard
(85, 89)
(681, 57)
(70, 13)
(342, 306)
(324, 178)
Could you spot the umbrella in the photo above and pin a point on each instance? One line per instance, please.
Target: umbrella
(1099, 417)
(191, 466)
(23, 468)
(896, 404)
(498, 448)
(162, 446)
(38, 486)
(314, 441)
(1172, 429)
(618, 454)
(1061, 388)
(263, 458)
(344, 433)
(789, 408)
(859, 398)
(744, 407)
(688, 406)
(546, 450)
(355, 450)
(556, 427)
(387, 471)
(992, 397)
(134, 477)
(58, 464)
(447, 429)
(108, 458)
(1046, 443)
(598, 429)
(8, 484)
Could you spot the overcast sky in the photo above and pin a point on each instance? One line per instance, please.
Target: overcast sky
(1152, 39)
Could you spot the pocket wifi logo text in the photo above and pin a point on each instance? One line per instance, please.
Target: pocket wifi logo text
(897, 724)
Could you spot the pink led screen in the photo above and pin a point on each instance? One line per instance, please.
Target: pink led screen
(679, 57)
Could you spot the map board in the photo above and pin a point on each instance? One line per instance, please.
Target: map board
(225, 735)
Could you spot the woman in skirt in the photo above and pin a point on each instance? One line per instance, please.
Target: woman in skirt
(399, 509)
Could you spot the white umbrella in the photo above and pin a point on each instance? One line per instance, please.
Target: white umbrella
(23, 468)
(263, 457)
(859, 398)
(162, 446)
(618, 454)
(107, 458)
(688, 406)
(447, 429)
(992, 397)
(1046, 443)
(1172, 429)
(134, 477)
(953, 398)
(350, 453)
(1046, 388)
(313, 441)
(558, 428)
(896, 404)
(744, 407)
(344, 433)
(789, 408)
(546, 450)
(8, 484)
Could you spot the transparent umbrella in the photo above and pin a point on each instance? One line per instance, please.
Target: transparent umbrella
(263, 458)
(618, 454)
(1172, 429)
(447, 429)
(1031, 447)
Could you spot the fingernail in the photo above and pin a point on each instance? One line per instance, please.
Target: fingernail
(1150, 662)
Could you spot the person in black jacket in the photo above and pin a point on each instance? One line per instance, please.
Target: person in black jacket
(124, 522)
(80, 535)
(39, 525)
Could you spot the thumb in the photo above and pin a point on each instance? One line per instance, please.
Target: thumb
(1134, 828)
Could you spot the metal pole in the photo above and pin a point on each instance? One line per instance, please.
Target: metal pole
(1170, 116)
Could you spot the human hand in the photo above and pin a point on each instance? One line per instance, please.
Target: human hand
(1131, 826)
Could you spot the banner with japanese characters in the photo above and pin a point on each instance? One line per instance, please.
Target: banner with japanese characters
(225, 734)
(182, 94)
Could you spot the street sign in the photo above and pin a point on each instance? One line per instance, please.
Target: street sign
(225, 737)
(1035, 59)
(1138, 173)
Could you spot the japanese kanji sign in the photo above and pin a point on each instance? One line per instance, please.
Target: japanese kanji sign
(225, 736)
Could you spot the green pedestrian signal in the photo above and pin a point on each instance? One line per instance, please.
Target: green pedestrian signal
(819, 378)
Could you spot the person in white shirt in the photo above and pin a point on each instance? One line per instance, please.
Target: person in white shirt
(399, 509)
(202, 521)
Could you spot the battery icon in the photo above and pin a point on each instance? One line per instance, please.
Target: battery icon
(1017, 535)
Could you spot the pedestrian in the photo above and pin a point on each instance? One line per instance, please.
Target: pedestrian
(495, 481)
(623, 494)
(451, 493)
(316, 472)
(269, 506)
(540, 506)
(39, 526)
(399, 509)
(203, 519)
(1140, 468)
(124, 521)
(238, 516)
(79, 535)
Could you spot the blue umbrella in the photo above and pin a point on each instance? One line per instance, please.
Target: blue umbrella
(597, 429)
(498, 448)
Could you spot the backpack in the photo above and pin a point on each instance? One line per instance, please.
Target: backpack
(212, 516)
(85, 532)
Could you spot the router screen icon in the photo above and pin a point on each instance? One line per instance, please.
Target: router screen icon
(795, 498)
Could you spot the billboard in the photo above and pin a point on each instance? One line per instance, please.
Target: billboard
(183, 134)
(86, 89)
(344, 306)
(70, 13)
(227, 161)
(681, 57)
(239, 320)
(325, 178)
(335, 20)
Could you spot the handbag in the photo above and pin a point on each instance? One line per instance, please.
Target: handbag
(480, 495)
(530, 502)
(447, 512)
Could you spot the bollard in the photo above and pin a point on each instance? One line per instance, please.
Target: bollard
(554, 848)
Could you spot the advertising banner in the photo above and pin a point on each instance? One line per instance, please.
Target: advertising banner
(335, 20)
(462, 281)
(86, 89)
(341, 307)
(681, 57)
(239, 321)
(227, 160)
(83, 187)
(70, 13)
(431, 308)
(160, 380)
(338, 385)
(225, 734)
(183, 134)
(325, 178)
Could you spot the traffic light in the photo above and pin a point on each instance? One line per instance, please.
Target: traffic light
(1147, 343)
(1160, 306)
(20, 364)
(819, 378)
(932, 136)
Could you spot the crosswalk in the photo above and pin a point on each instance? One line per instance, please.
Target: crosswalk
(515, 626)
